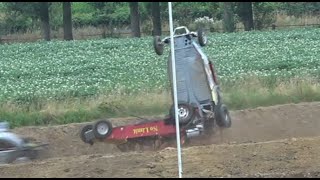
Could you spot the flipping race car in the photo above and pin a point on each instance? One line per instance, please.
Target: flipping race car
(200, 105)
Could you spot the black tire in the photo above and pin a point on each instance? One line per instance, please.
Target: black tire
(102, 129)
(158, 45)
(202, 39)
(83, 131)
(209, 126)
(222, 116)
(186, 116)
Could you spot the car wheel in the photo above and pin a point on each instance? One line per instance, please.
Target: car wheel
(158, 45)
(222, 116)
(83, 131)
(202, 39)
(102, 129)
(185, 112)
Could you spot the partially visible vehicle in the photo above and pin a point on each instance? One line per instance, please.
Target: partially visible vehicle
(14, 148)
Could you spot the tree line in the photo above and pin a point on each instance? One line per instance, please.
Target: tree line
(23, 16)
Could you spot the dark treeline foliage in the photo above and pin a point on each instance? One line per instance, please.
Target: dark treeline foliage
(31, 16)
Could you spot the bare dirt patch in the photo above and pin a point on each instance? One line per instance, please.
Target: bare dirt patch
(277, 141)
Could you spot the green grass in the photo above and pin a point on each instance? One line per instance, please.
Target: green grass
(61, 82)
(252, 92)
(248, 93)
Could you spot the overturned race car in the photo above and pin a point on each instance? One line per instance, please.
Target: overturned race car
(200, 105)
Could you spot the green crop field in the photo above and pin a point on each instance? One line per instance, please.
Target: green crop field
(88, 68)
(81, 68)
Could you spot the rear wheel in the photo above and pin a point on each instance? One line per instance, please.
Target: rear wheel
(222, 116)
(102, 129)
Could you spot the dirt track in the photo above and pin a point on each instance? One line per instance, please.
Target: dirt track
(278, 141)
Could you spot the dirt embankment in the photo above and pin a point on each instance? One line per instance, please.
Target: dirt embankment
(278, 141)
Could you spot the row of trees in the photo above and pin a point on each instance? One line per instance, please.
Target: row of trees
(40, 10)
(253, 15)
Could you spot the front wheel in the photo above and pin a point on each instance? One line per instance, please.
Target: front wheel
(222, 116)
(185, 112)
(84, 130)
(202, 39)
(158, 45)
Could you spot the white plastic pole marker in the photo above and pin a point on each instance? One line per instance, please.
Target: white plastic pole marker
(175, 89)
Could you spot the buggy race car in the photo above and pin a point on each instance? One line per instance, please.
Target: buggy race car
(200, 105)
(14, 148)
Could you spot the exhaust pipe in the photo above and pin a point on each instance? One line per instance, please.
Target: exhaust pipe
(194, 132)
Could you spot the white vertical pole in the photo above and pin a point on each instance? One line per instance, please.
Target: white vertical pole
(175, 90)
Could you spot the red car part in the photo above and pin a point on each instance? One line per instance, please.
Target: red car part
(153, 134)
(155, 128)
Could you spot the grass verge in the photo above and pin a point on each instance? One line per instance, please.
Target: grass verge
(245, 93)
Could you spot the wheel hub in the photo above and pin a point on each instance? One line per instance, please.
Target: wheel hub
(183, 113)
(102, 128)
